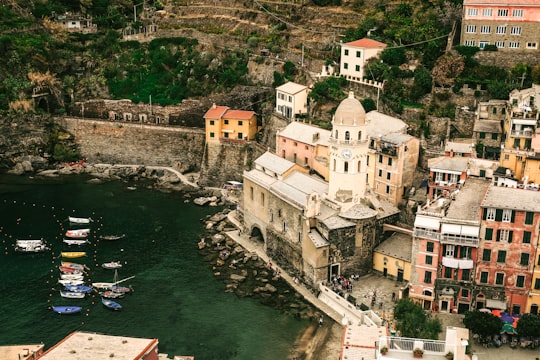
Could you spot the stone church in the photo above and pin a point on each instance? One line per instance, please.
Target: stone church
(312, 228)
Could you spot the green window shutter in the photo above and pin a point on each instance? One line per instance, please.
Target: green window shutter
(498, 214)
(513, 218)
(484, 215)
(489, 234)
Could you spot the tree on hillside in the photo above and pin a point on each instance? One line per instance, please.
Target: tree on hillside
(481, 323)
(447, 68)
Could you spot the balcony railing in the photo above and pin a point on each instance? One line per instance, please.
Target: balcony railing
(444, 184)
(458, 240)
(399, 345)
(426, 234)
(333, 140)
(522, 133)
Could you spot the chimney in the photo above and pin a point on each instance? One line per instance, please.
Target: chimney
(451, 153)
(214, 106)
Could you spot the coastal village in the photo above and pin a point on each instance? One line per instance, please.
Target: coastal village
(454, 231)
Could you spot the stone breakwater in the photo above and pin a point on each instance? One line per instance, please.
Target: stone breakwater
(245, 274)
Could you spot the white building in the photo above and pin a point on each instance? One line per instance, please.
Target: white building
(355, 54)
(292, 99)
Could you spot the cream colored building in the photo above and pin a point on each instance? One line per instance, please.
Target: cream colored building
(292, 99)
(354, 56)
(392, 257)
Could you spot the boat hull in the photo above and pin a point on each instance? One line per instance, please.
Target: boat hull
(113, 305)
(73, 254)
(112, 265)
(78, 220)
(67, 310)
(72, 294)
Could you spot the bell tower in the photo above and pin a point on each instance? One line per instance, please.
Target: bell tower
(348, 154)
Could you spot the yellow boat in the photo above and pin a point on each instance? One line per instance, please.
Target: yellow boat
(73, 254)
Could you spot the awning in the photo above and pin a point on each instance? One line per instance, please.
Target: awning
(496, 304)
(426, 222)
(464, 230)
(450, 262)
(451, 229)
(467, 230)
(466, 264)
(531, 122)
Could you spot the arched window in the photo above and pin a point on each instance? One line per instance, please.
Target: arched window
(334, 164)
(336, 134)
(347, 135)
(359, 166)
(359, 136)
(346, 166)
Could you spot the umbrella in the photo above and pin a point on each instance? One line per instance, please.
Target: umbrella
(485, 310)
(508, 329)
(507, 318)
(497, 313)
(514, 324)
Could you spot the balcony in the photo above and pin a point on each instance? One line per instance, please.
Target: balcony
(426, 234)
(444, 184)
(402, 348)
(527, 133)
(454, 239)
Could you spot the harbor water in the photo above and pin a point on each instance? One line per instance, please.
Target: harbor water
(176, 297)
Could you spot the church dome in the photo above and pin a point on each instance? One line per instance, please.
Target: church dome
(350, 112)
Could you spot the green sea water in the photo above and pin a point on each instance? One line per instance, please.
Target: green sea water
(176, 298)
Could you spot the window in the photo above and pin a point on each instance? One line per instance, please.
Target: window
(501, 30)
(388, 189)
(472, 12)
(482, 44)
(466, 274)
(499, 44)
(240, 135)
(345, 66)
(499, 279)
(482, 135)
(489, 234)
(485, 29)
(346, 51)
(486, 255)
(429, 259)
(380, 173)
(531, 45)
(464, 293)
(240, 123)
(513, 45)
(279, 213)
(487, 12)
(306, 160)
(284, 226)
(471, 29)
(448, 273)
(359, 167)
(251, 192)
(529, 217)
(502, 12)
(334, 167)
(211, 122)
(357, 68)
(506, 157)
(490, 215)
(358, 53)
(212, 135)
(367, 160)
(495, 136)
(389, 161)
(346, 166)
(515, 30)
(359, 136)
(505, 235)
(470, 43)
(380, 158)
(501, 256)
(226, 122)
(430, 246)
(484, 277)
(507, 215)
(516, 143)
(427, 277)
(262, 199)
(388, 176)
(439, 177)
(517, 13)
(524, 259)
(537, 284)
(449, 251)
(520, 281)
(526, 237)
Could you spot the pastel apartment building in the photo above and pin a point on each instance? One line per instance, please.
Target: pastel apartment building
(511, 25)
(225, 125)
(446, 175)
(292, 100)
(487, 130)
(354, 57)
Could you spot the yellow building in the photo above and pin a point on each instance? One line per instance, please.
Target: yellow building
(392, 257)
(225, 125)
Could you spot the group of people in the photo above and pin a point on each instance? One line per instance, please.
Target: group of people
(342, 283)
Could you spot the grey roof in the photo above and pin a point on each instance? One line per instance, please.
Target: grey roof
(459, 147)
(466, 205)
(306, 134)
(460, 164)
(396, 138)
(260, 178)
(297, 187)
(317, 239)
(488, 126)
(512, 198)
(381, 124)
(359, 212)
(273, 163)
(336, 222)
(383, 207)
(291, 88)
(398, 246)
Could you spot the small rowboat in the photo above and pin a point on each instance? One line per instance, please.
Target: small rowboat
(68, 270)
(112, 237)
(73, 265)
(78, 220)
(111, 304)
(79, 288)
(73, 254)
(70, 282)
(67, 309)
(112, 265)
(111, 294)
(76, 242)
(72, 294)
(72, 276)
(78, 233)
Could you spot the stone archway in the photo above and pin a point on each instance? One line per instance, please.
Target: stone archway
(256, 234)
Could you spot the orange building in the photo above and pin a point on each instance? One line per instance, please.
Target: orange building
(225, 125)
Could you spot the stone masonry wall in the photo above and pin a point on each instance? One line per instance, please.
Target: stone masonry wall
(126, 143)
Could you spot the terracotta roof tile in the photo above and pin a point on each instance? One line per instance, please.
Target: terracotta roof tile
(366, 43)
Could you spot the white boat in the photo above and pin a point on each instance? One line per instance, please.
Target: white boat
(112, 237)
(70, 282)
(78, 233)
(31, 246)
(71, 276)
(72, 294)
(74, 266)
(77, 242)
(111, 285)
(112, 265)
(79, 220)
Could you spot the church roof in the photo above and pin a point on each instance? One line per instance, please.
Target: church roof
(305, 133)
(273, 163)
(350, 112)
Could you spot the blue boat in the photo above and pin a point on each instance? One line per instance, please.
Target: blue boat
(111, 304)
(67, 309)
(79, 288)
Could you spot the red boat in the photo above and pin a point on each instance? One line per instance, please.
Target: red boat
(78, 233)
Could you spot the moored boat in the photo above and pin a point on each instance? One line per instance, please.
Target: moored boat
(31, 246)
(77, 242)
(112, 265)
(112, 237)
(67, 309)
(111, 304)
(73, 254)
(79, 220)
(79, 288)
(73, 265)
(68, 270)
(72, 294)
(70, 282)
(111, 294)
(72, 276)
(78, 233)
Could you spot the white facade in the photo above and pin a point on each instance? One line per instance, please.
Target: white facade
(348, 154)
(292, 99)
(355, 54)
